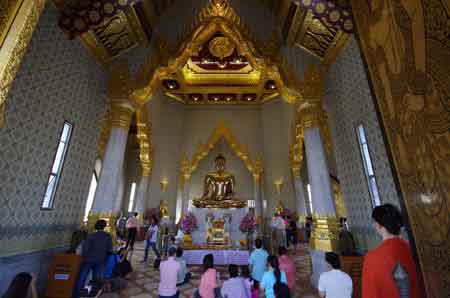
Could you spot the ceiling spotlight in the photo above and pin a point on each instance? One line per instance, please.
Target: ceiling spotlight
(271, 85)
(249, 98)
(171, 84)
(216, 98)
(228, 98)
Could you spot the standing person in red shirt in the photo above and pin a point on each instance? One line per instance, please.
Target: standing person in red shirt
(389, 270)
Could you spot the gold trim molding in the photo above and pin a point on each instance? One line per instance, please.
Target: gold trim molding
(220, 132)
(22, 22)
(325, 234)
(144, 139)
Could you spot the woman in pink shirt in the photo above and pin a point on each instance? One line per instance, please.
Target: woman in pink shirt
(208, 281)
(288, 266)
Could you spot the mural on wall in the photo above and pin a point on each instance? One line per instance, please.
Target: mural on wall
(406, 46)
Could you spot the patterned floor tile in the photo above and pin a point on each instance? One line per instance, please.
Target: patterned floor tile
(144, 281)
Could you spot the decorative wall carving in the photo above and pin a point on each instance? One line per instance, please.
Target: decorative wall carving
(407, 48)
(217, 16)
(17, 28)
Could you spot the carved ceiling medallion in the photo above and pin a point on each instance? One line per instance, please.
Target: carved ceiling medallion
(221, 47)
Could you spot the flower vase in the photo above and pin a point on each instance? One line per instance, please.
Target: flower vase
(187, 239)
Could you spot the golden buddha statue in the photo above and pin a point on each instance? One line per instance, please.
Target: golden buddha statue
(218, 189)
(163, 209)
(279, 209)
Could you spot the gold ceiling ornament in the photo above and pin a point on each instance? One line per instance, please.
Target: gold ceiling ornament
(221, 47)
(315, 35)
(119, 89)
(220, 132)
(144, 139)
(218, 16)
(18, 20)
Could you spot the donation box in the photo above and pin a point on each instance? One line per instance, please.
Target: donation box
(62, 275)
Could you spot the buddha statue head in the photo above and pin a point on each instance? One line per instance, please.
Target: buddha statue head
(220, 163)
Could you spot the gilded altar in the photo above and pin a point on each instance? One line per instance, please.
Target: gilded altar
(218, 230)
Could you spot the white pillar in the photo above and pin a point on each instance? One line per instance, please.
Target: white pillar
(300, 197)
(318, 173)
(108, 185)
(141, 195)
(185, 196)
(120, 191)
(323, 237)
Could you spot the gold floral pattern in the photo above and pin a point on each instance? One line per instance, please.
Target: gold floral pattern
(406, 47)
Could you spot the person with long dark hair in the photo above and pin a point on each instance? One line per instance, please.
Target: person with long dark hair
(21, 286)
(287, 265)
(274, 280)
(208, 281)
(389, 270)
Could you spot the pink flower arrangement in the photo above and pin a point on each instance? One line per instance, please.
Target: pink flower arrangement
(188, 223)
(248, 224)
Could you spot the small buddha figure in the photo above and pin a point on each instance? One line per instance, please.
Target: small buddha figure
(279, 209)
(218, 189)
(163, 209)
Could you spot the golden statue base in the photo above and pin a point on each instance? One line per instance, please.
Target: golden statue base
(222, 204)
(325, 233)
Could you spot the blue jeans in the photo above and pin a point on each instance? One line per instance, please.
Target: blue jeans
(149, 244)
(86, 267)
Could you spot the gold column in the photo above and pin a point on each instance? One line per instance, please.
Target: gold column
(17, 23)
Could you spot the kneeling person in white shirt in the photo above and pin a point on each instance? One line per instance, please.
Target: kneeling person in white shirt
(335, 283)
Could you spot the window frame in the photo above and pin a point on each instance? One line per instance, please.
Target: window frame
(365, 165)
(61, 167)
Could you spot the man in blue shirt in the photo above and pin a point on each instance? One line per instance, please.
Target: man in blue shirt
(258, 261)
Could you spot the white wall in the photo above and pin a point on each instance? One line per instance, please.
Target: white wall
(166, 117)
(349, 102)
(177, 131)
(276, 120)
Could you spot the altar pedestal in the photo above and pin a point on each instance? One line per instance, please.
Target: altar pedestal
(236, 215)
(221, 257)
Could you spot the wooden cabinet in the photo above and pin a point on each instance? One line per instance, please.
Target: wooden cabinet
(352, 265)
(63, 275)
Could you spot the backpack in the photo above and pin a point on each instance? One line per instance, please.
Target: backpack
(281, 290)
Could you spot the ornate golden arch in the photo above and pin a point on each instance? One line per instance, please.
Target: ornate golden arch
(220, 132)
(218, 16)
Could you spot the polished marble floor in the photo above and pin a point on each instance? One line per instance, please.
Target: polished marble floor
(143, 282)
